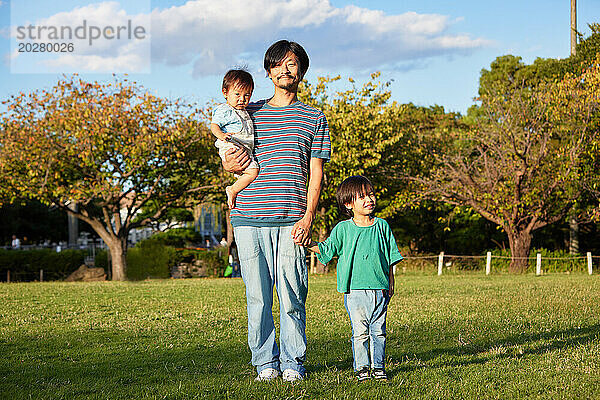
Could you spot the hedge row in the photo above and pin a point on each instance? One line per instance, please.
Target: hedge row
(147, 260)
(155, 256)
(25, 265)
(152, 259)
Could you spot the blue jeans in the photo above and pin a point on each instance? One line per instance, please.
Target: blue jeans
(367, 310)
(269, 256)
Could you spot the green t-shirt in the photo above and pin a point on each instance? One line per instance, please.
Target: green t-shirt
(365, 254)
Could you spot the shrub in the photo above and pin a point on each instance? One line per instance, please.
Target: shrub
(215, 260)
(25, 265)
(101, 259)
(150, 259)
(177, 237)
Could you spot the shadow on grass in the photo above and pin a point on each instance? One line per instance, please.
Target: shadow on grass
(336, 353)
(511, 347)
(125, 364)
(122, 365)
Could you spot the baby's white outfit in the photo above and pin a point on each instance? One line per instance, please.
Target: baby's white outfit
(239, 124)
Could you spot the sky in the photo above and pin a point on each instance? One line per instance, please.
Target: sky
(432, 51)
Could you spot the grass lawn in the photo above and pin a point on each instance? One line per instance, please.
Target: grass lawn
(454, 336)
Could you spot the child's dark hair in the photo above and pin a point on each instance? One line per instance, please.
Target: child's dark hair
(238, 77)
(350, 189)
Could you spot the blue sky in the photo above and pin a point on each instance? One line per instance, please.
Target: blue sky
(432, 50)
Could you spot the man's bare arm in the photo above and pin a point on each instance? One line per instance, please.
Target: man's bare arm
(301, 232)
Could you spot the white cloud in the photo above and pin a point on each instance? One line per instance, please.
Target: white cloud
(409, 23)
(212, 35)
(102, 35)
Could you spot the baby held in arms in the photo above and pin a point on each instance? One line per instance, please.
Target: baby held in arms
(232, 126)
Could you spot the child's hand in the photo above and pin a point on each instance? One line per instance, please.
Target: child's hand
(311, 246)
(229, 135)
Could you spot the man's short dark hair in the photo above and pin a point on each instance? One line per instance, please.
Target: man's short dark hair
(278, 50)
(238, 77)
(350, 189)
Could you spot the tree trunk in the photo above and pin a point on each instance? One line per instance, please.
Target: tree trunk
(116, 242)
(228, 226)
(73, 225)
(573, 236)
(118, 253)
(520, 244)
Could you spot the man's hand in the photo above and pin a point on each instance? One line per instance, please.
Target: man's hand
(236, 160)
(301, 232)
(313, 246)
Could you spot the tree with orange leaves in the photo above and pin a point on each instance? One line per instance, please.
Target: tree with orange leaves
(524, 162)
(111, 148)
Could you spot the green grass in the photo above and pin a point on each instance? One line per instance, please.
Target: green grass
(454, 336)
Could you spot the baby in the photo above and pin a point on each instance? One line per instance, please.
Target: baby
(233, 127)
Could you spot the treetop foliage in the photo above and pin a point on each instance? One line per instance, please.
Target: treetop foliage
(111, 148)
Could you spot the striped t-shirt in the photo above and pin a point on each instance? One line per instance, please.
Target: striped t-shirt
(286, 138)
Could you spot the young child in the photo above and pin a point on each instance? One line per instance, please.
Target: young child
(367, 251)
(233, 127)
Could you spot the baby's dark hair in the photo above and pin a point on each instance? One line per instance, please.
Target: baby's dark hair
(350, 189)
(238, 77)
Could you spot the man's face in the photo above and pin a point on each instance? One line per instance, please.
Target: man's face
(286, 74)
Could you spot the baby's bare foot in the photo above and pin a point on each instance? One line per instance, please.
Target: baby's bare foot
(230, 196)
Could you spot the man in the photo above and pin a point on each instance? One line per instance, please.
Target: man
(273, 216)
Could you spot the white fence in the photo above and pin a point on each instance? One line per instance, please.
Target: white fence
(488, 264)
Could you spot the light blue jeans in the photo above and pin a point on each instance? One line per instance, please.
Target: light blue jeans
(269, 256)
(367, 310)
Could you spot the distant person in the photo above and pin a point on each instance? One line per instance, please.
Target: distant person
(234, 261)
(367, 252)
(232, 126)
(16, 243)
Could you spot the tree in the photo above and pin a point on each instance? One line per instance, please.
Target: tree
(520, 165)
(359, 132)
(113, 148)
(371, 136)
(505, 71)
